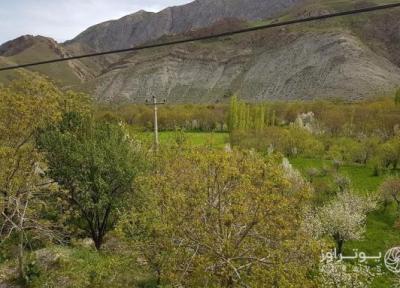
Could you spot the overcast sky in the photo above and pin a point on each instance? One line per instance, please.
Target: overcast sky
(64, 19)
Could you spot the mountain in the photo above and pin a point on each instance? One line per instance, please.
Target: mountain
(350, 58)
(30, 48)
(143, 27)
(302, 66)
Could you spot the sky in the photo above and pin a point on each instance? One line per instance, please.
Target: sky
(64, 19)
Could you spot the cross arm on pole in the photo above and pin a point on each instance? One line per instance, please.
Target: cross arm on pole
(155, 102)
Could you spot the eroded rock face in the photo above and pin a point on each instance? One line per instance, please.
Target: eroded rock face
(320, 65)
(349, 58)
(306, 66)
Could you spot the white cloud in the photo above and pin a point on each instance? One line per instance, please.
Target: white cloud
(64, 19)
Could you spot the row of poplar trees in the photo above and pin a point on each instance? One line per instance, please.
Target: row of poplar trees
(244, 116)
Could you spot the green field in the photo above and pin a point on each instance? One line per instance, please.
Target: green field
(381, 234)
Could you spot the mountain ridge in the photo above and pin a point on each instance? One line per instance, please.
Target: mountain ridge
(351, 58)
(147, 26)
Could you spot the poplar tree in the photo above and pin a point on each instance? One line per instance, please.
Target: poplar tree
(233, 114)
(397, 97)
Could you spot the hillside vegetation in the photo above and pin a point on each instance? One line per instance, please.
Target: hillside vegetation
(86, 200)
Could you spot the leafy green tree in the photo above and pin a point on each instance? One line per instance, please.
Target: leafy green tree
(390, 191)
(273, 118)
(95, 163)
(242, 116)
(26, 104)
(222, 219)
(233, 114)
(388, 154)
(259, 121)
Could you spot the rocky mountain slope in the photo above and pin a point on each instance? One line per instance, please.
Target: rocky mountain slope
(350, 58)
(303, 66)
(142, 27)
(33, 48)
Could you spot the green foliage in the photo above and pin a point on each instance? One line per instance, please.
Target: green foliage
(32, 272)
(206, 217)
(288, 141)
(199, 118)
(26, 104)
(187, 214)
(199, 139)
(82, 267)
(387, 156)
(397, 97)
(380, 234)
(233, 114)
(243, 116)
(369, 118)
(349, 150)
(95, 163)
(390, 191)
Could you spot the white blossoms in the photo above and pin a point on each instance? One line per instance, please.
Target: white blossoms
(344, 216)
(337, 274)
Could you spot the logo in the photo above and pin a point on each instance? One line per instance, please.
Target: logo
(392, 260)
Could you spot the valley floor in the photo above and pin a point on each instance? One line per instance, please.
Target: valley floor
(80, 265)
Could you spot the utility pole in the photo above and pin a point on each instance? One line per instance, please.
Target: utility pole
(155, 104)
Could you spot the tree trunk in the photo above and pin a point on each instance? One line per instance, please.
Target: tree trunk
(397, 202)
(21, 262)
(340, 243)
(227, 282)
(398, 205)
(98, 241)
(158, 277)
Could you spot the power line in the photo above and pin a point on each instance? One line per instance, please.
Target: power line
(214, 36)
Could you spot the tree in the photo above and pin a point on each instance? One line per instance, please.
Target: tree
(388, 154)
(259, 121)
(233, 114)
(218, 219)
(338, 274)
(273, 118)
(390, 190)
(26, 104)
(343, 218)
(342, 182)
(95, 163)
(397, 97)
